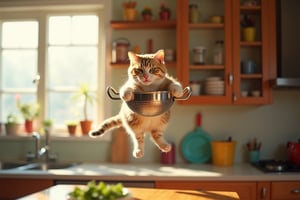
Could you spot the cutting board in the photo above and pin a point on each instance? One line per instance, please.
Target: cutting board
(120, 150)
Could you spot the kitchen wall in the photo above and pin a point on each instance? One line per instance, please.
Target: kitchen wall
(273, 124)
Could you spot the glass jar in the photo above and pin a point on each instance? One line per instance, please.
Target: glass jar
(218, 58)
(199, 55)
(193, 14)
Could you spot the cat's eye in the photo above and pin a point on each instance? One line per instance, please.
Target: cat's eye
(154, 70)
(138, 71)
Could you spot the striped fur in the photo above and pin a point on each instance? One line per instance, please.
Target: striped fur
(146, 73)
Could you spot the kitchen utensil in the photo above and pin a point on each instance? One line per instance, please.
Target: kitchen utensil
(294, 152)
(196, 144)
(150, 103)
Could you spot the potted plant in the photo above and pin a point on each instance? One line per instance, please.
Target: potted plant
(71, 126)
(29, 111)
(12, 126)
(129, 10)
(147, 14)
(248, 28)
(48, 124)
(165, 12)
(84, 94)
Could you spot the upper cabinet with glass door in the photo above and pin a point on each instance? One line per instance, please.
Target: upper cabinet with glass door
(254, 50)
(221, 64)
(207, 42)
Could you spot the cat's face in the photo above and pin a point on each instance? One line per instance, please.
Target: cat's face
(147, 69)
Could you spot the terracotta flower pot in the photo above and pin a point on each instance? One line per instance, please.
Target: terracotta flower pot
(72, 129)
(29, 126)
(164, 15)
(130, 14)
(147, 17)
(85, 126)
(12, 129)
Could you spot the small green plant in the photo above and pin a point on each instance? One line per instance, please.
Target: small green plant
(147, 11)
(12, 119)
(29, 111)
(164, 8)
(84, 94)
(247, 21)
(71, 123)
(47, 123)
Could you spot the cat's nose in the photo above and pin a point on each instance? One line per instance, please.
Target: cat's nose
(146, 76)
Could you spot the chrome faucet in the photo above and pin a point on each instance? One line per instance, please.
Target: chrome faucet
(38, 151)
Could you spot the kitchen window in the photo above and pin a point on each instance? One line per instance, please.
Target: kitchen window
(45, 56)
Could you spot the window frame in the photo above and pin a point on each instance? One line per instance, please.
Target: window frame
(41, 14)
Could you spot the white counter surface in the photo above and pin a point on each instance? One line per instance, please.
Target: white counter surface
(153, 172)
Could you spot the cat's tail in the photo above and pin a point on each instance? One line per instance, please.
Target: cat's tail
(108, 124)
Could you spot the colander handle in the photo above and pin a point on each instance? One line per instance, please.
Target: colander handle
(110, 90)
(187, 92)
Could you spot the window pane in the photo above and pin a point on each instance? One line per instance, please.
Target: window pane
(12, 37)
(72, 60)
(70, 66)
(63, 107)
(85, 30)
(19, 68)
(60, 30)
(65, 30)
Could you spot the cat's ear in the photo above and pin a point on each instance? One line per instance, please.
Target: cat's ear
(132, 56)
(160, 55)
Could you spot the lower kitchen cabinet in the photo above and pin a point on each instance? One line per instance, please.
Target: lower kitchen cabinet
(16, 188)
(245, 190)
(263, 190)
(288, 190)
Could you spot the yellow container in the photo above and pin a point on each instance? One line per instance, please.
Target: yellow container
(249, 34)
(223, 152)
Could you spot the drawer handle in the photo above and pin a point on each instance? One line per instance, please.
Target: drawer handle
(295, 191)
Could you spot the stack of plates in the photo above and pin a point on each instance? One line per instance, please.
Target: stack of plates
(214, 86)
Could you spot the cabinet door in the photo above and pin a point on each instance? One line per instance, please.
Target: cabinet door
(16, 188)
(263, 190)
(253, 58)
(285, 190)
(245, 190)
(204, 32)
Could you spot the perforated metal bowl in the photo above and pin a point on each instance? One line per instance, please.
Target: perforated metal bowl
(150, 103)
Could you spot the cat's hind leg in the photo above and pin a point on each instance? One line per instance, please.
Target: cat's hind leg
(160, 142)
(138, 144)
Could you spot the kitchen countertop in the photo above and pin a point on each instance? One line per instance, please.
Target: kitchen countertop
(153, 172)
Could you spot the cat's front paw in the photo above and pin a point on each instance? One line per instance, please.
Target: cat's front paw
(138, 153)
(127, 95)
(176, 90)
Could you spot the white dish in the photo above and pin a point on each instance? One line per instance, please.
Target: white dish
(255, 93)
(213, 78)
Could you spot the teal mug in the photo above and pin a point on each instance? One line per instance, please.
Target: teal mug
(254, 156)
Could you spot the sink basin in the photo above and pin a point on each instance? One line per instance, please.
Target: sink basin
(48, 166)
(11, 164)
(19, 165)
